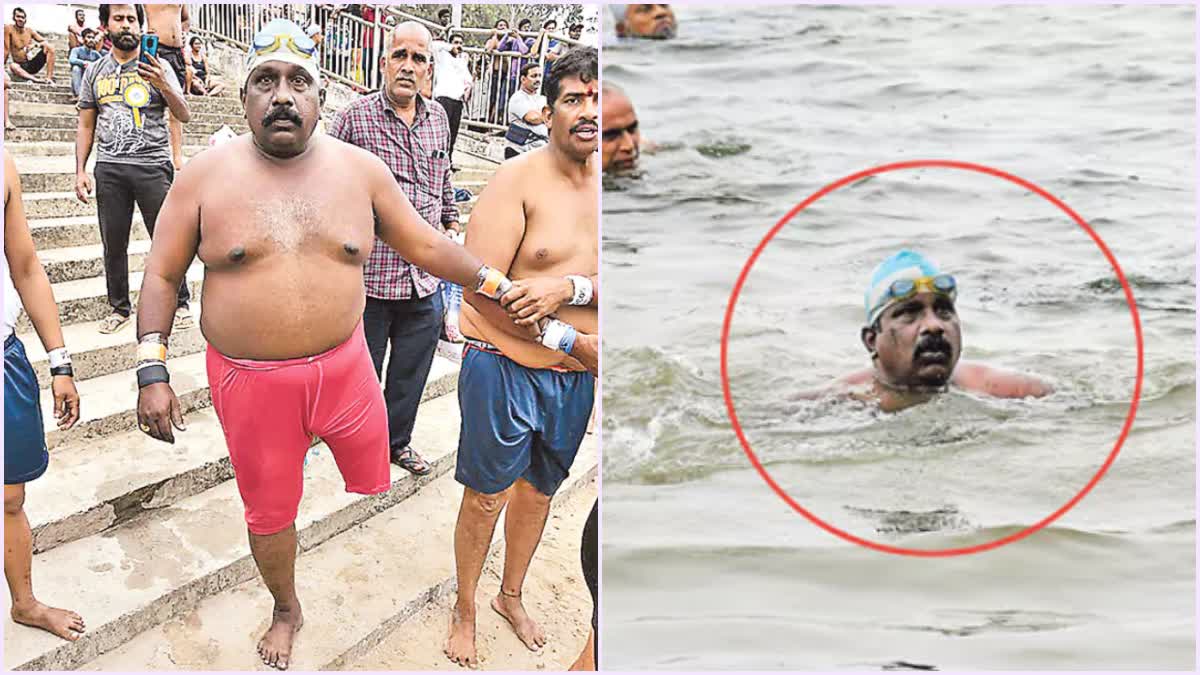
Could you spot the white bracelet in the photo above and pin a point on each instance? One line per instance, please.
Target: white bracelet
(583, 289)
(59, 357)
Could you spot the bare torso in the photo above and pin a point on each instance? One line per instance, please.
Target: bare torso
(165, 21)
(74, 35)
(560, 239)
(16, 42)
(283, 250)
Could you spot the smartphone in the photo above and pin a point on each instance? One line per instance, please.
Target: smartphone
(149, 46)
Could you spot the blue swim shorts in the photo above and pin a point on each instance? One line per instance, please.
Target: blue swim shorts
(518, 422)
(25, 456)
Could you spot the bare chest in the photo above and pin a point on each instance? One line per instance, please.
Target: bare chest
(560, 235)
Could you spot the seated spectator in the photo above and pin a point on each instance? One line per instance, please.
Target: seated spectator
(80, 57)
(644, 21)
(202, 82)
(526, 124)
(29, 51)
(75, 31)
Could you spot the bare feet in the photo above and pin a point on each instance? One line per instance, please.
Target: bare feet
(275, 647)
(63, 623)
(460, 643)
(510, 607)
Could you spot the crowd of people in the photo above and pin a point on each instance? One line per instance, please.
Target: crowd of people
(353, 235)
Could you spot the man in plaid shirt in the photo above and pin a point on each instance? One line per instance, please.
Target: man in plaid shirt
(412, 135)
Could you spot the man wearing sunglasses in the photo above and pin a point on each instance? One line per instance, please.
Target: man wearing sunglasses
(284, 222)
(914, 337)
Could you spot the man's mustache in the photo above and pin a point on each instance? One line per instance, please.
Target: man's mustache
(590, 125)
(934, 342)
(285, 114)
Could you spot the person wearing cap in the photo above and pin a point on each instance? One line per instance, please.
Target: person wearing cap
(914, 337)
(122, 109)
(644, 21)
(26, 287)
(404, 306)
(525, 407)
(284, 222)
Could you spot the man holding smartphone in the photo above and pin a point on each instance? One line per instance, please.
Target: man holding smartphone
(123, 101)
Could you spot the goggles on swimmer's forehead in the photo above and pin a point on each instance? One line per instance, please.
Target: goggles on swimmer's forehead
(903, 289)
(300, 45)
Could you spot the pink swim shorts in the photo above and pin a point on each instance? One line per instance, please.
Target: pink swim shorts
(270, 410)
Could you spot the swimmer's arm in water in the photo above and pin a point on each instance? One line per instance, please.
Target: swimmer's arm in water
(402, 228)
(999, 383)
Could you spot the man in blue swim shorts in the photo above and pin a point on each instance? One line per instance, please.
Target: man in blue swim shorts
(527, 381)
(25, 456)
(914, 338)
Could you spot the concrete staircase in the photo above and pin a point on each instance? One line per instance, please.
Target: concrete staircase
(147, 540)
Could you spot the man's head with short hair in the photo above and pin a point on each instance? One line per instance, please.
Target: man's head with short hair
(621, 140)
(19, 17)
(123, 24)
(576, 31)
(89, 37)
(445, 15)
(644, 21)
(524, 25)
(456, 43)
(501, 24)
(550, 25)
(80, 17)
(196, 42)
(572, 103)
(531, 77)
(283, 92)
(913, 332)
(407, 62)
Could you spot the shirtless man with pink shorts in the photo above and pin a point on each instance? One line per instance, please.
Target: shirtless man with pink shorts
(283, 221)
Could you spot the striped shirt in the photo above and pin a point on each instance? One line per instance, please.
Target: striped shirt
(420, 161)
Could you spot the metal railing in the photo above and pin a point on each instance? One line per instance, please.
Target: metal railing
(349, 50)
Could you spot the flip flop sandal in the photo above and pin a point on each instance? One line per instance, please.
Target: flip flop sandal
(410, 461)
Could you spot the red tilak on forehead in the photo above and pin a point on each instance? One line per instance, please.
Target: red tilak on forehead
(590, 91)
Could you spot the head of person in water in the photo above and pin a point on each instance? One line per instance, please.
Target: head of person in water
(644, 21)
(912, 333)
(573, 103)
(283, 91)
(621, 141)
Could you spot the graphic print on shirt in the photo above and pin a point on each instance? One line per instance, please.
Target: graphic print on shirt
(123, 133)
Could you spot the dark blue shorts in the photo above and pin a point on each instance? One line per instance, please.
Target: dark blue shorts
(25, 456)
(518, 422)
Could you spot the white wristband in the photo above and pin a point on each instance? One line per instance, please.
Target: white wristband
(59, 357)
(555, 331)
(583, 289)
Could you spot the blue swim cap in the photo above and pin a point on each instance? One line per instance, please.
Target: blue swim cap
(905, 264)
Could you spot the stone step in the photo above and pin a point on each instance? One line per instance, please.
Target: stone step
(87, 299)
(62, 204)
(159, 567)
(107, 403)
(95, 354)
(556, 595)
(49, 233)
(21, 150)
(68, 135)
(90, 488)
(80, 262)
(356, 589)
(199, 124)
(33, 104)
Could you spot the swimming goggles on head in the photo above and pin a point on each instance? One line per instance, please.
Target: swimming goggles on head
(299, 45)
(903, 289)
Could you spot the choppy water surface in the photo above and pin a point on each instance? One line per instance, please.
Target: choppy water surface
(757, 109)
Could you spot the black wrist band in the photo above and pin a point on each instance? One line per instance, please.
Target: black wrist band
(152, 375)
(62, 370)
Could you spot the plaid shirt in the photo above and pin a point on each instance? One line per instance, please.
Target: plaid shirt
(419, 159)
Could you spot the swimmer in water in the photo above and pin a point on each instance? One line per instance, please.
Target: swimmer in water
(622, 141)
(914, 338)
(656, 22)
